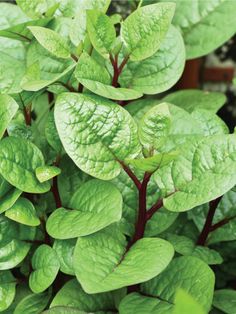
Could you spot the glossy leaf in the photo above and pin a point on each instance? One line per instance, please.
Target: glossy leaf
(33, 303)
(64, 250)
(8, 108)
(7, 289)
(95, 205)
(46, 173)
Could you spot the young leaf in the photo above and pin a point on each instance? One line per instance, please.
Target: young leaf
(51, 41)
(101, 32)
(97, 79)
(35, 8)
(8, 108)
(45, 173)
(7, 289)
(123, 268)
(45, 268)
(9, 198)
(143, 31)
(112, 137)
(185, 304)
(159, 72)
(13, 253)
(191, 99)
(23, 211)
(187, 273)
(33, 303)
(64, 250)
(204, 163)
(198, 19)
(72, 294)
(96, 204)
(224, 300)
(16, 166)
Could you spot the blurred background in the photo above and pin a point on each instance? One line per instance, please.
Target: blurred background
(214, 72)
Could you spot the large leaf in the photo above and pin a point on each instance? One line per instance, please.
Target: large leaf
(188, 273)
(33, 303)
(7, 289)
(225, 300)
(95, 205)
(191, 99)
(199, 19)
(19, 159)
(64, 310)
(185, 304)
(102, 262)
(111, 137)
(159, 72)
(8, 108)
(143, 31)
(203, 163)
(23, 211)
(51, 41)
(101, 40)
(45, 268)
(72, 295)
(97, 79)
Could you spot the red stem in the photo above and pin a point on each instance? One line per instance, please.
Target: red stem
(221, 223)
(27, 114)
(208, 223)
(80, 88)
(54, 188)
(117, 69)
(154, 209)
(131, 175)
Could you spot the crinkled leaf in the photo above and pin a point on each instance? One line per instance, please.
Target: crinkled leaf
(110, 138)
(98, 273)
(159, 72)
(200, 20)
(7, 289)
(23, 211)
(225, 300)
(64, 250)
(19, 159)
(8, 108)
(33, 303)
(96, 204)
(65, 310)
(101, 32)
(45, 173)
(72, 295)
(35, 8)
(209, 256)
(188, 273)
(45, 268)
(97, 79)
(191, 99)
(143, 31)
(51, 41)
(203, 163)
(51, 133)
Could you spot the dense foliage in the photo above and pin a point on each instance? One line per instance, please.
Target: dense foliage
(112, 201)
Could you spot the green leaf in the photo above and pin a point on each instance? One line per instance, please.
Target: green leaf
(51, 41)
(8, 108)
(45, 268)
(198, 19)
(159, 72)
(151, 164)
(21, 31)
(155, 123)
(102, 263)
(8, 195)
(201, 164)
(209, 256)
(191, 99)
(96, 204)
(225, 300)
(23, 211)
(19, 159)
(7, 289)
(210, 123)
(63, 310)
(143, 31)
(97, 79)
(136, 303)
(33, 303)
(64, 250)
(45, 173)
(72, 295)
(51, 133)
(101, 32)
(187, 273)
(110, 138)
(185, 304)
(35, 8)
